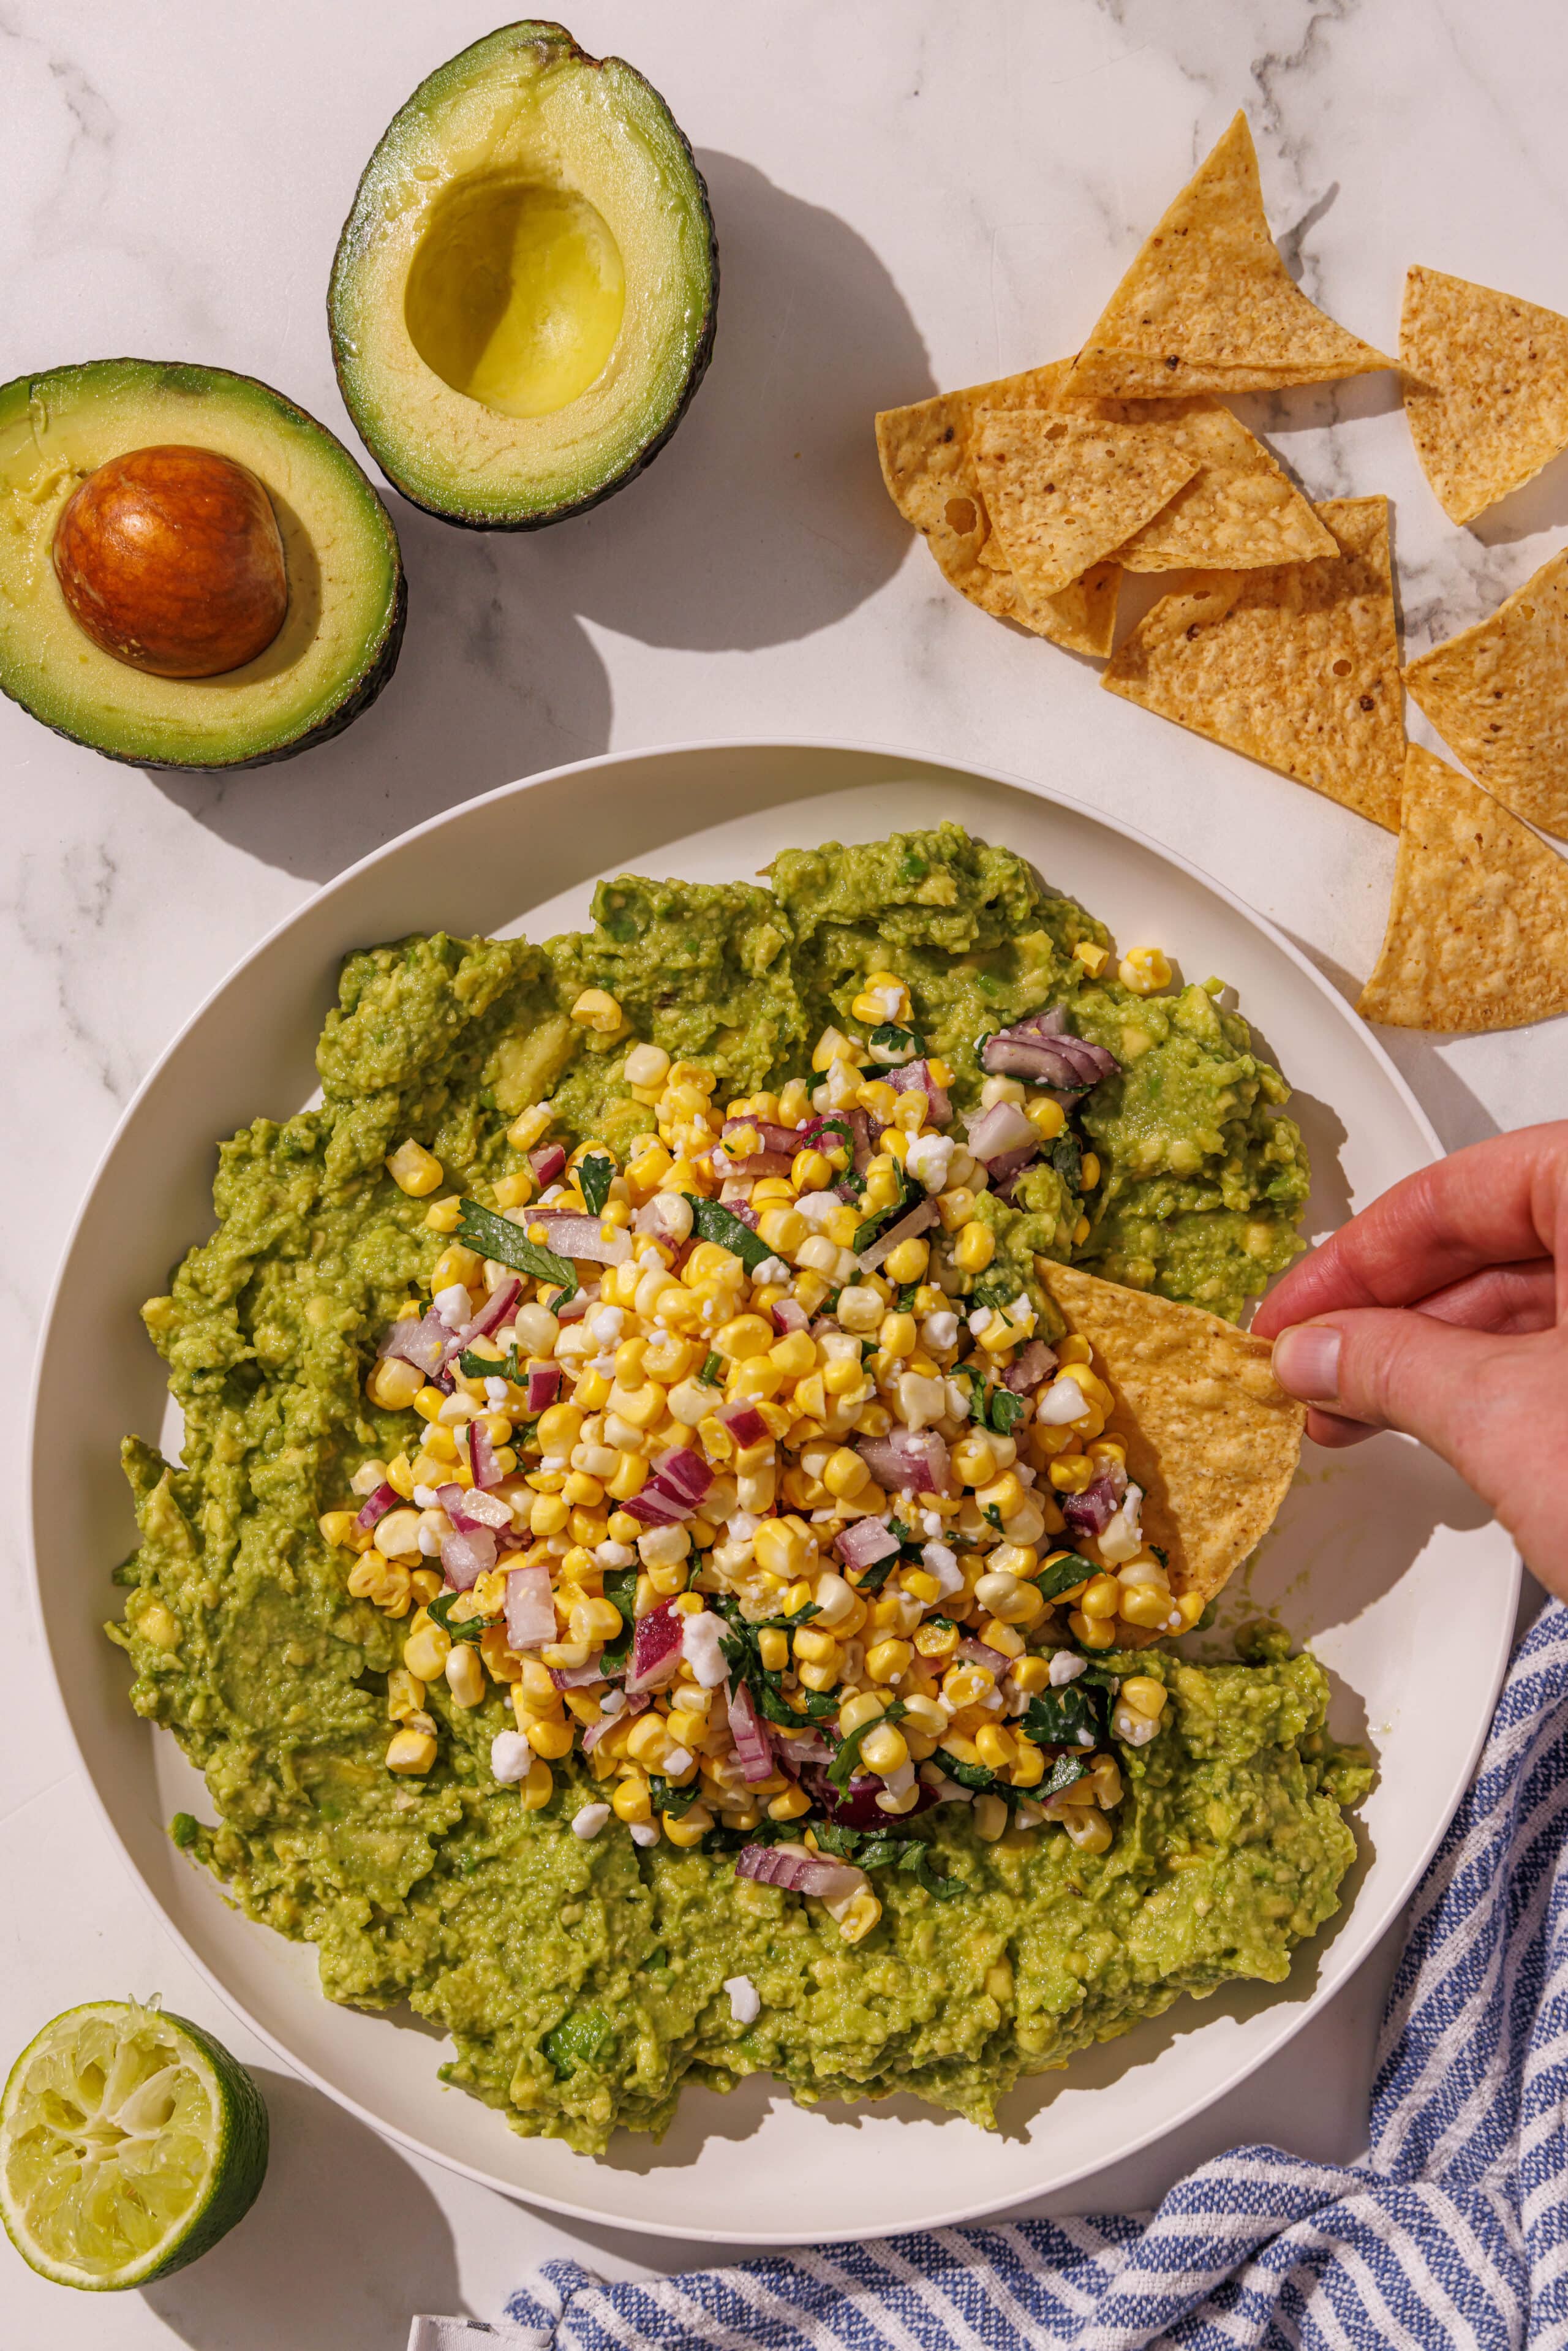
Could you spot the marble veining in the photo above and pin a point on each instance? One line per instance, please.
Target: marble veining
(908, 195)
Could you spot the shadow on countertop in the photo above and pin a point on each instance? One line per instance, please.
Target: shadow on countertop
(763, 521)
(344, 2242)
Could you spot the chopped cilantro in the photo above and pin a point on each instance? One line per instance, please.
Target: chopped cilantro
(594, 1176)
(847, 1754)
(880, 1849)
(1067, 1158)
(668, 1798)
(1064, 1772)
(487, 1367)
(467, 1628)
(714, 1222)
(621, 1590)
(1006, 1408)
(498, 1238)
(1056, 1718)
(711, 1372)
(910, 1195)
(1063, 1574)
(907, 1293)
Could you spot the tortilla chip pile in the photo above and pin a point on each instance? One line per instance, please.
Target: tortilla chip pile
(1035, 492)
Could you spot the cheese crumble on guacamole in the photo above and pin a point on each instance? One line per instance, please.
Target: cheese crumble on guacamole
(646, 1529)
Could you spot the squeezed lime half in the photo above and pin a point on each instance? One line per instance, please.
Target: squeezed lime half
(130, 2142)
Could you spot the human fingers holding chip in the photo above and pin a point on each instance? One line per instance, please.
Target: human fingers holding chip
(1442, 1310)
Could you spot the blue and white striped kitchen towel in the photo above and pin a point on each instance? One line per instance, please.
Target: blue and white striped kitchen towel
(1454, 2233)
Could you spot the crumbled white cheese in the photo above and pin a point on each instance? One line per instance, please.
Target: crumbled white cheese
(676, 1760)
(496, 1390)
(614, 1554)
(426, 1498)
(745, 2000)
(942, 1563)
(451, 1305)
(1063, 1401)
(1065, 1667)
(771, 1268)
(589, 1821)
(510, 1756)
(644, 1833)
(607, 1325)
(940, 1330)
(700, 1636)
(930, 1158)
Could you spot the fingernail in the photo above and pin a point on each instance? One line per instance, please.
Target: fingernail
(1306, 1363)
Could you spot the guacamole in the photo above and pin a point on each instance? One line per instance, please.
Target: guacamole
(584, 1975)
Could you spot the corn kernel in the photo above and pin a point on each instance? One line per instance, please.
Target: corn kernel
(551, 1740)
(465, 1676)
(597, 1011)
(1144, 970)
(1072, 1473)
(690, 1828)
(416, 1172)
(990, 1816)
(974, 1247)
(1144, 1695)
(1091, 957)
(888, 1660)
(996, 1747)
(1088, 1829)
(537, 1786)
(1102, 1597)
(446, 1215)
(632, 1803)
(791, 1805)
(393, 1384)
(411, 1751)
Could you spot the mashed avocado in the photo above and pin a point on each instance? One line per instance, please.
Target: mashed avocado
(583, 1980)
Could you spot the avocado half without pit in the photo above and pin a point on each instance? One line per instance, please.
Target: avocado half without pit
(194, 572)
(523, 300)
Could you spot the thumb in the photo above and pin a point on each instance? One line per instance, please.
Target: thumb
(1456, 1390)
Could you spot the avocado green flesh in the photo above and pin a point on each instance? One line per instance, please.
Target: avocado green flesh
(523, 300)
(341, 635)
(583, 1980)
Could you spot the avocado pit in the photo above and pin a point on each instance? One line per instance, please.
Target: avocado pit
(170, 559)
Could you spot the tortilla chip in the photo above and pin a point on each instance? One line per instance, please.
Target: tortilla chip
(1238, 511)
(1296, 666)
(1062, 489)
(1478, 926)
(1208, 305)
(1486, 388)
(1498, 695)
(1211, 1437)
(930, 478)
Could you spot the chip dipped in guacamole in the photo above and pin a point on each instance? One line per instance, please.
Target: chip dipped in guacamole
(657, 1579)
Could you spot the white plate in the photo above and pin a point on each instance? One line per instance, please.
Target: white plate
(1381, 1557)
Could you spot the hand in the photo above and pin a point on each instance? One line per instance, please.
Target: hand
(1442, 1310)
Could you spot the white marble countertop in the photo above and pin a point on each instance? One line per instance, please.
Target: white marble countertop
(907, 195)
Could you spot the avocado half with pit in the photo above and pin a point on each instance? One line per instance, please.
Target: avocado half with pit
(522, 303)
(194, 573)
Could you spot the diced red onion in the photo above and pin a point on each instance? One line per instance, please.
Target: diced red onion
(588, 1237)
(755, 1164)
(656, 1505)
(749, 1733)
(745, 1424)
(1028, 1370)
(919, 1219)
(798, 1872)
(1000, 1131)
(906, 1462)
(482, 1458)
(683, 1468)
(869, 1539)
(980, 1654)
(572, 1310)
(466, 1556)
(530, 1608)
(856, 1807)
(469, 1510)
(918, 1075)
(655, 1649)
(746, 1212)
(490, 1317)
(543, 1387)
(789, 1314)
(795, 1748)
(547, 1163)
(1092, 1511)
(384, 1499)
(422, 1343)
(577, 1676)
(1041, 1050)
(596, 1730)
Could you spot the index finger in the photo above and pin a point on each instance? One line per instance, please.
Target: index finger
(1501, 1202)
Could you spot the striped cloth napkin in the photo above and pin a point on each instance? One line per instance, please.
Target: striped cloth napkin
(1454, 2233)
